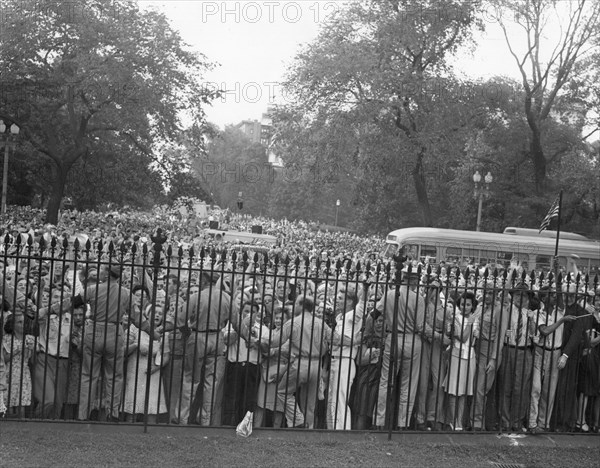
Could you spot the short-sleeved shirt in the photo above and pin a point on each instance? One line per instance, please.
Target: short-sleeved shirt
(547, 318)
(411, 310)
(206, 310)
(108, 301)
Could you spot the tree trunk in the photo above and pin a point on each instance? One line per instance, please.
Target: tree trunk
(58, 190)
(421, 189)
(539, 160)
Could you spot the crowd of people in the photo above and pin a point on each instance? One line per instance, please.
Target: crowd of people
(325, 342)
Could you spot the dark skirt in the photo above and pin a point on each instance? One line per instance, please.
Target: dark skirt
(363, 396)
(588, 382)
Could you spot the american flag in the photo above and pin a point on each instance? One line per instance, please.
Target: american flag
(552, 213)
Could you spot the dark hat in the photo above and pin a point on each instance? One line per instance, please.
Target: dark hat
(115, 270)
(521, 287)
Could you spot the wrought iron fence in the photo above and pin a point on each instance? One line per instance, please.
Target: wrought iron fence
(140, 333)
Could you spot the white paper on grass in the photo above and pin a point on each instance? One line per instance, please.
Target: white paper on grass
(244, 429)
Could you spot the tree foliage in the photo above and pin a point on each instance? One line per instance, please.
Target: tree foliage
(98, 71)
(546, 65)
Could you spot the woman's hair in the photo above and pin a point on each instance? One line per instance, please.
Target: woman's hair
(139, 287)
(9, 324)
(467, 295)
(375, 314)
(307, 304)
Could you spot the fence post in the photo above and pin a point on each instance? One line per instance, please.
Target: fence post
(158, 240)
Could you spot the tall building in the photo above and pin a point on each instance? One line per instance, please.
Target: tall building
(262, 132)
(252, 129)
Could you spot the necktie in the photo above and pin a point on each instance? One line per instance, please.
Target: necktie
(520, 328)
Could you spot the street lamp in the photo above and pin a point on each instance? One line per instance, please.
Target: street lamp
(9, 139)
(240, 201)
(481, 191)
(337, 209)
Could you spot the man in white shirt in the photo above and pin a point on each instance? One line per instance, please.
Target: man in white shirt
(517, 360)
(549, 321)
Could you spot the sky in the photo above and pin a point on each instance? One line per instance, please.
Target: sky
(254, 41)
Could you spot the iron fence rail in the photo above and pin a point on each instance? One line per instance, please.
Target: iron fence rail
(159, 335)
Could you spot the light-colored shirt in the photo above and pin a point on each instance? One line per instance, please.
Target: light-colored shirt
(464, 329)
(306, 334)
(55, 335)
(206, 310)
(411, 310)
(549, 318)
(518, 327)
(348, 333)
(108, 301)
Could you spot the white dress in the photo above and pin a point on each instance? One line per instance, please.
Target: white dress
(460, 377)
(136, 378)
(17, 378)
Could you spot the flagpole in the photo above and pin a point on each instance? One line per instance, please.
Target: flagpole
(557, 237)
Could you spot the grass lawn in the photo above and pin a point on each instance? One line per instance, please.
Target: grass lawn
(25, 445)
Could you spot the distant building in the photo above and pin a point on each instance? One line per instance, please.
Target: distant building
(252, 129)
(262, 132)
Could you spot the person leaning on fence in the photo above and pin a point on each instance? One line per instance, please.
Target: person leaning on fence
(205, 315)
(104, 343)
(410, 321)
(565, 408)
(51, 368)
(345, 341)
(430, 400)
(71, 407)
(515, 371)
(307, 345)
(579, 352)
(460, 378)
(549, 321)
(363, 399)
(488, 314)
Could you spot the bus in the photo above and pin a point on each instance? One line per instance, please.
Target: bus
(461, 248)
(240, 237)
(551, 234)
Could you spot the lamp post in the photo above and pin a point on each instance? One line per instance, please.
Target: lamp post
(337, 209)
(481, 191)
(9, 140)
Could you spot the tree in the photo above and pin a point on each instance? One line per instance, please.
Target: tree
(234, 164)
(75, 74)
(544, 79)
(383, 63)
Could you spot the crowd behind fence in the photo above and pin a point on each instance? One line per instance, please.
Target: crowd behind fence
(164, 336)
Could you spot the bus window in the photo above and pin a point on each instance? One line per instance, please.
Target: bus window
(390, 250)
(523, 260)
(428, 251)
(504, 258)
(543, 262)
(487, 256)
(453, 255)
(411, 251)
(470, 255)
